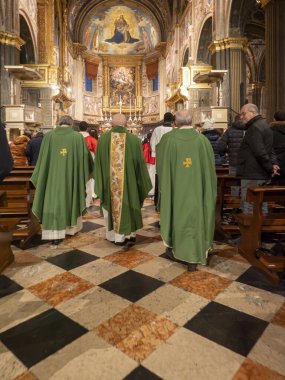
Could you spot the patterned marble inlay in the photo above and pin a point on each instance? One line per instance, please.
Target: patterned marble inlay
(205, 284)
(279, 318)
(254, 371)
(136, 331)
(129, 258)
(60, 288)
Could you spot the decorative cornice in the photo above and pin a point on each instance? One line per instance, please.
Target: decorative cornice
(76, 49)
(11, 39)
(161, 48)
(238, 43)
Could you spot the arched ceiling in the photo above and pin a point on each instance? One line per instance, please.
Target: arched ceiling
(247, 19)
(78, 11)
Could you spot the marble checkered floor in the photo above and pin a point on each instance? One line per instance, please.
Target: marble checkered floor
(92, 310)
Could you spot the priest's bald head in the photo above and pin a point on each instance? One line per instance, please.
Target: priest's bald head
(119, 119)
(183, 118)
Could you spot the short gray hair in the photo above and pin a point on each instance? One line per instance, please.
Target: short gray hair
(253, 108)
(183, 117)
(66, 120)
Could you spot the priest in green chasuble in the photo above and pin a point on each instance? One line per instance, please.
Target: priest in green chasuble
(185, 165)
(63, 168)
(121, 181)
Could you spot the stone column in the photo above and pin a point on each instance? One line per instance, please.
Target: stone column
(162, 86)
(230, 54)
(10, 45)
(47, 107)
(275, 56)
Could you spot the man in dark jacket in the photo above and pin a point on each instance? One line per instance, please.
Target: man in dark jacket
(33, 148)
(230, 143)
(213, 136)
(254, 160)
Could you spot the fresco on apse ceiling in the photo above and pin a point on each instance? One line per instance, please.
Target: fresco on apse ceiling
(120, 30)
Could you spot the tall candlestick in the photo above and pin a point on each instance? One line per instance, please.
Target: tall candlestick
(130, 118)
(120, 104)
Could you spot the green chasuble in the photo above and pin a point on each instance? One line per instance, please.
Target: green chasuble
(63, 168)
(121, 179)
(187, 190)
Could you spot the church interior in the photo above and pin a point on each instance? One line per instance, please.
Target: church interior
(92, 310)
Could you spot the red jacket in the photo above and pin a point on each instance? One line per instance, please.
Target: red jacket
(147, 153)
(91, 143)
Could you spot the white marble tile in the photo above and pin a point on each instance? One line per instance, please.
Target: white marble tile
(33, 274)
(18, 307)
(173, 303)
(93, 307)
(224, 267)
(161, 269)
(10, 366)
(88, 358)
(270, 349)
(251, 300)
(99, 271)
(188, 356)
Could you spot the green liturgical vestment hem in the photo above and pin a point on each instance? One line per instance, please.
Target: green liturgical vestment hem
(132, 177)
(63, 168)
(187, 191)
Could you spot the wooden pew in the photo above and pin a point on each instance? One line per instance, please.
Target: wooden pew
(253, 225)
(19, 192)
(6, 228)
(226, 203)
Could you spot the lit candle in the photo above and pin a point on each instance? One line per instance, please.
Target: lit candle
(120, 104)
(130, 105)
(135, 107)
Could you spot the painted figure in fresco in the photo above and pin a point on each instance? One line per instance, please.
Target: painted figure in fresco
(122, 32)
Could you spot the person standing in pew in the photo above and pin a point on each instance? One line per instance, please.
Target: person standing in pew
(6, 162)
(63, 168)
(278, 129)
(254, 160)
(187, 181)
(33, 147)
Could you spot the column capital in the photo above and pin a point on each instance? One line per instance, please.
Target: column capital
(239, 43)
(11, 39)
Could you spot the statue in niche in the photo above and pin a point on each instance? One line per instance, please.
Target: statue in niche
(122, 32)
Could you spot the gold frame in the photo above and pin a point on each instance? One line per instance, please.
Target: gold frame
(124, 61)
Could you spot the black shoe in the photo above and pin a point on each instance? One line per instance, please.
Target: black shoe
(169, 254)
(55, 242)
(120, 244)
(191, 267)
(131, 241)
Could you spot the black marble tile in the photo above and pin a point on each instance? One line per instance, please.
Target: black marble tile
(132, 285)
(141, 373)
(34, 340)
(155, 224)
(228, 327)
(8, 286)
(89, 226)
(255, 277)
(72, 259)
